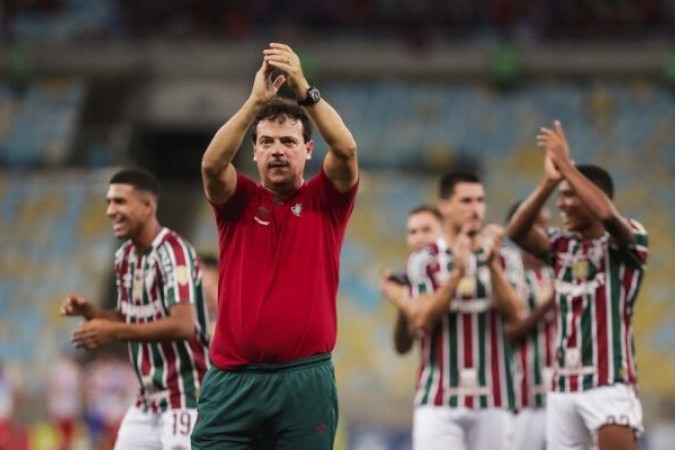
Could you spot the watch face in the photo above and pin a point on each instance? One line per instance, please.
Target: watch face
(314, 94)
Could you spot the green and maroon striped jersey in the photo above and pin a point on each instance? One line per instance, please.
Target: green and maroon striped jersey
(533, 359)
(596, 285)
(148, 285)
(465, 359)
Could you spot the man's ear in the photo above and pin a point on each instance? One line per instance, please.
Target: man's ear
(310, 149)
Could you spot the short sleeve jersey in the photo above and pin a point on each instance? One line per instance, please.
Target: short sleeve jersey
(465, 360)
(533, 359)
(279, 266)
(596, 286)
(148, 285)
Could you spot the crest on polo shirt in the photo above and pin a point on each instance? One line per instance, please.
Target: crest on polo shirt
(182, 274)
(297, 209)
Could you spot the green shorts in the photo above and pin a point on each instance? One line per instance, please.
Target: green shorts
(291, 406)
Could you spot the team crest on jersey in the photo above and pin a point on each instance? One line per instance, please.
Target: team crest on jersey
(467, 287)
(182, 275)
(580, 269)
(297, 209)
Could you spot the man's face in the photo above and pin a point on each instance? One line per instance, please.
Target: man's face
(422, 229)
(280, 153)
(128, 209)
(466, 205)
(574, 214)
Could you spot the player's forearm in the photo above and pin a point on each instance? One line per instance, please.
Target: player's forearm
(431, 309)
(517, 331)
(598, 203)
(403, 337)
(166, 329)
(228, 139)
(508, 302)
(524, 218)
(333, 130)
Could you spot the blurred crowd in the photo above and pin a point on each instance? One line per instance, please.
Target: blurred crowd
(424, 19)
(85, 402)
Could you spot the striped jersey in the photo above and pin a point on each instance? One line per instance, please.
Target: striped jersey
(465, 359)
(148, 284)
(533, 359)
(596, 285)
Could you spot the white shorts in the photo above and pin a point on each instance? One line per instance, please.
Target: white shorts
(443, 428)
(530, 429)
(573, 419)
(169, 430)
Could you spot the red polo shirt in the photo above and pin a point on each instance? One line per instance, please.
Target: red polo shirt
(279, 266)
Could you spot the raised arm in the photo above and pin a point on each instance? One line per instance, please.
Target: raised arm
(520, 228)
(597, 202)
(218, 174)
(340, 163)
(508, 302)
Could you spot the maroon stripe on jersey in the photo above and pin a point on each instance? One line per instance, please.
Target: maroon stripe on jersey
(199, 353)
(181, 260)
(602, 332)
(171, 374)
(495, 356)
(468, 350)
(628, 285)
(577, 307)
(438, 397)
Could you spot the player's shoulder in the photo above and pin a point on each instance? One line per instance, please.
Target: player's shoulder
(123, 250)
(171, 243)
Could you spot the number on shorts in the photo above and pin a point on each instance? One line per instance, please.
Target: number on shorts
(181, 423)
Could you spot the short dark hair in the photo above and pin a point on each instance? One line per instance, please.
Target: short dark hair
(279, 108)
(426, 209)
(139, 178)
(599, 177)
(452, 179)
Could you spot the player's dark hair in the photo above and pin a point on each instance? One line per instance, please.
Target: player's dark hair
(282, 109)
(426, 209)
(140, 179)
(599, 177)
(452, 179)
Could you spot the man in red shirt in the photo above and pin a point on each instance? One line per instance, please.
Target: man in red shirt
(273, 384)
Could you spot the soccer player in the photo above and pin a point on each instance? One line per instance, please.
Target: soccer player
(599, 261)
(532, 339)
(461, 300)
(272, 384)
(160, 312)
(423, 228)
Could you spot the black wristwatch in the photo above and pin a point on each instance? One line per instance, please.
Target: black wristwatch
(312, 98)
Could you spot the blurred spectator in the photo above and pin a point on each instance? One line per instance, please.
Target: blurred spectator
(9, 392)
(110, 387)
(64, 398)
(209, 265)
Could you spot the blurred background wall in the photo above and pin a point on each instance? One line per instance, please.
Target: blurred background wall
(425, 86)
